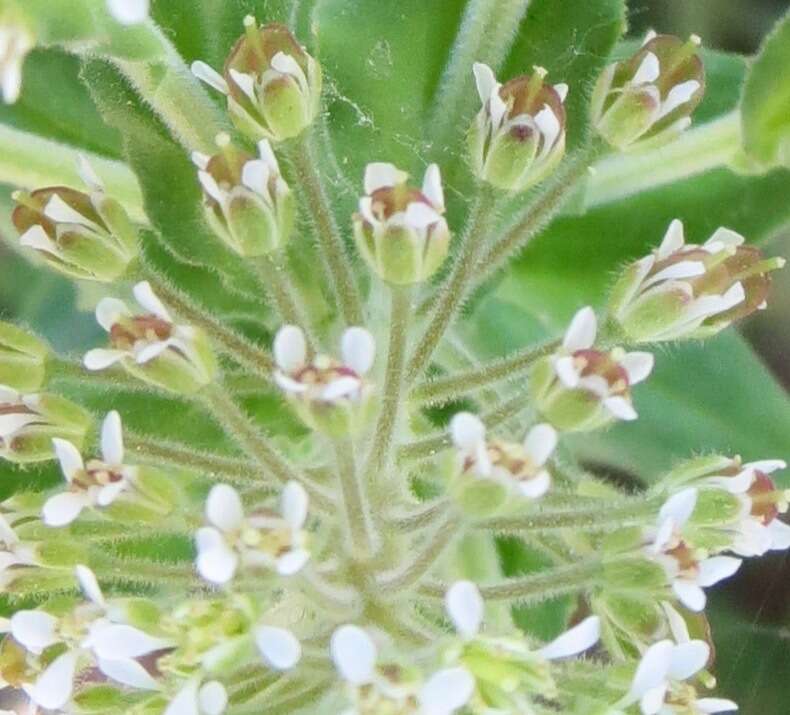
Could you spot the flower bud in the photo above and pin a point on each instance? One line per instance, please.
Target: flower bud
(273, 86)
(690, 291)
(29, 423)
(329, 395)
(486, 474)
(23, 359)
(151, 347)
(399, 229)
(518, 137)
(16, 40)
(580, 388)
(247, 202)
(82, 235)
(651, 95)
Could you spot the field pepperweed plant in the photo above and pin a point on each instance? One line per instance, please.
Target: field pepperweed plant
(327, 530)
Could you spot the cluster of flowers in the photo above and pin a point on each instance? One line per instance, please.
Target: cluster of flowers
(179, 657)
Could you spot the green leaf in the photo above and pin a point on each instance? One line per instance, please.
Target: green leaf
(766, 101)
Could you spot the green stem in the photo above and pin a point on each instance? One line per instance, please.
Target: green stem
(249, 437)
(279, 286)
(400, 310)
(452, 294)
(338, 263)
(421, 517)
(32, 162)
(459, 384)
(177, 98)
(364, 540)
(698, 150)
(234, 344)
(537, 215)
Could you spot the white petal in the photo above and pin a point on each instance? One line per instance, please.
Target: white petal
(432, 187)
(278, 646)
(121, 641)
(780, 535)
(666, 529)
(446, 691)
(652, 701)
(621, 408)
(285, 64)
(292, 562)
(200, 160)
(673, 240)
(549, 126)
(648, 71)
(679, 94)
(537, 486)
(63, 508)
(540, 443)
(679, 507)
(53, 688)
(129, 672)
(290, 349)
(210, 76)
(465, 607)
(109, 311)
(36, 237)
(724, 238)
(566, 370)
(688, 659)
(716, 569)
(129, 12)
(89, 585)
(35, 630)
(186, 701)
(358, 349)
(342, 387)
(581, 332)
(145, 296)
(112, 439)
(638, 365)
(212, 188)
(110, 492)
(677, 624)
(9, 396)
(288, 384)
(293, 505)
(653, 668)
(68, 456)
(213, 698)
(484, 80)
(58, 210)
(715, 705)
(354, 654)
(576, 640)
(217, 565)
(224, 508)
(379, 175)
(207, 538)
(88, 174)
(690, 595)
(677, 271)
(467, 430)
(420, 215)
(255, 176)
(766, 466)
(245, 82)
(267, 154)
(100, 358)
(562, 90)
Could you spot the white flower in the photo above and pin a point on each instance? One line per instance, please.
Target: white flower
(97, 484)
(605, 375)
(199, 699)
(519, 466)
(688, 572)
(373, 690)
(13, 551)
(273, 541)
(87, 632)
(15, 43)
(278, 646)
(465, 607)
(660, 675)
(129, 12)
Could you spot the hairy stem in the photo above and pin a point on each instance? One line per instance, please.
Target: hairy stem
(249, 437)
(363, 538)
(279, 286)
(459, 384)
(303, 158)
(452, 294)
(400, 310)
(423, 516)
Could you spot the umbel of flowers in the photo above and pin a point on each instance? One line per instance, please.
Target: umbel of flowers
(343, 561)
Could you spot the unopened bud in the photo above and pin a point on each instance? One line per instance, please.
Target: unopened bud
(331, 396)
(651, 95)
(518, 137)
(23, 359)
(82, 235)
(29, 423)
(151, 347)
(247, 202)
(273, 86)
(400, 229)
(691, 291)
(581, 388)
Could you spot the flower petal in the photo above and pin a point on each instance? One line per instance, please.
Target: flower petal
(621, 408)
(117, 641)
(186, 700)
(653, 668)
(63, 508)
(465, 607)
(467, 431)
(54, 686)
(575, 640)
(648, 71)
(290, 349)
(100, 358)
(145, 296)
(224, 508)
(638, 365)
(690, 595)
(278, 646)
(582, 331)
(129, 672)
(112, 439)
(129, 12)
(206, 73)
(293, 505)
(69, 458)
(109, 311)
(217, 565)
(432, 187)
(446, 691)
(89, 585)
(679, 507)
(715, 705)
(213, 698)
(485, 80)
(540, 443)
(673, 240)
(354, 654)
(35, 630)
(379, 175)
(358, 349)
(688, 659)
(716, 569)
